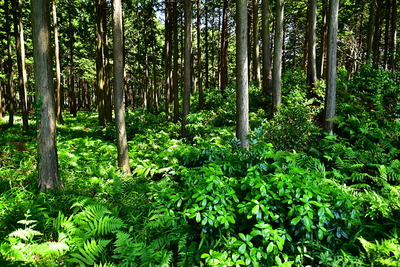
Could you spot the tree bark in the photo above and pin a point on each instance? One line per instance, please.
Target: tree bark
(44, 86)
(119, 106)
(187, 62)
(57, 63)
(71, 75)
(242, 82)
(10, 72)
(312, 42)
(168, 58)
(20, 45)
(199, 57)
(266, 47)
(256, 45)
(175, 47)
(324, 36)
(371, 29)
(393, 37)
(224, 49)
(278, 49)
(377, 34)
(330, 99)
(100, 70)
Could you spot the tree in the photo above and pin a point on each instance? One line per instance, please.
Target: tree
(187, 5)
(278, 50)
(57, 62)
(44, 86)
(242, 74)
(330, 98)
(312, 57)
(119, 106)
(224, 49)
(10, 73)
(168, 57)
(266, 46)
(256, 45)
(393, 35)
(175, 48)
(199, 57)
(20, 44)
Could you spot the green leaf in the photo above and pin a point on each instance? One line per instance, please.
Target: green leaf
(307, 223)
(270, 247)
(255, 209)
(296, 220)
(242, 248)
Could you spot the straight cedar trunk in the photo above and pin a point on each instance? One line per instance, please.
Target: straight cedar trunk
(10, 73)
(100, 68)
(371, 28)
(330, 98)
(175, 82)
(278, 50)
(57, 62)
(324, 36)
(256, 45)
(20, 45)
(44, 87)
(206, 44)
(242, 82)
(119, 106)
(377, 35)
(312, 43)
(199, 57)
(187, 5)
(393, 36)
(224, 49)
(266, 47)
(168, 58)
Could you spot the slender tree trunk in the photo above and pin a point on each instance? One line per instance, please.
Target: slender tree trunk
(100, 79)
(168, 58)
(20, 44)
(312, 42)
(206, 44)
(330, 99)
(393, 37)
(371, 29)
(256, 45)
(44, 85)
(199, 57)
(119, 106)
(224, 49)
(175, 81)
(387, 33)
(57, 62)
(10, 73)
(266, 47)
(242, 82)
(187, 62)
(278, 50)
(377, 34)
(107, 69)
(324, 37)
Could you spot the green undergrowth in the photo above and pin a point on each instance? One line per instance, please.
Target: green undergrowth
(297, 197)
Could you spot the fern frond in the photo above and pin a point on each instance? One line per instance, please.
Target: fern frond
(89, 253)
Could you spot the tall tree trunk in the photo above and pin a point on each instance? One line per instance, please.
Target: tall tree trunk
(20, 44)
(242, 82)
(224, 49)
(100, 71)
(44, 85)
(10, 73)
(387, 13)
(175, 82)
(119, 106)
(107, 69)
(330, 98)
(187, 61)
(266, 47)
(199, 57)
(323, 47)
(312, 42)
(57, 62)
(168, 58)
(256, 45)
(278, 49)
(377, 34)
(206, 44)
(393, 36)
(371, 29)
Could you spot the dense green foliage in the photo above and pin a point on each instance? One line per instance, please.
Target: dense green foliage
(297, 197)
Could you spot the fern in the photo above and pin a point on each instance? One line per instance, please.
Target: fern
(89, 252)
